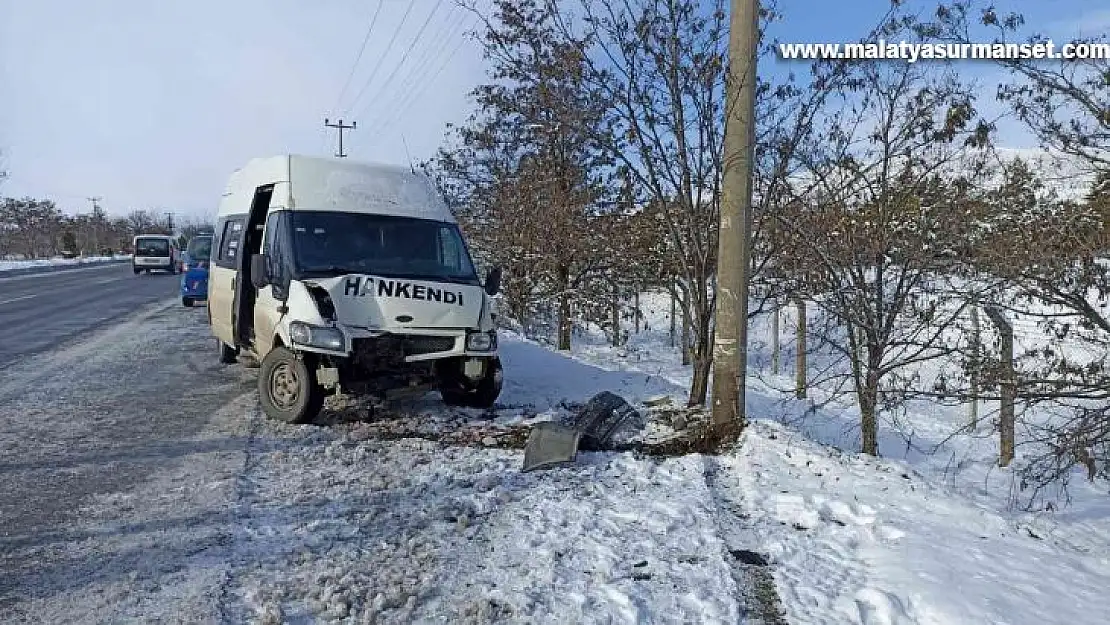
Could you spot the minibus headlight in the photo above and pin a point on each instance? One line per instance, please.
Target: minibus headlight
(316, 336)
(481, 341)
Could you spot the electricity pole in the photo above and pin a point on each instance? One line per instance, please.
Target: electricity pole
(730, 346)
(95, 220)
(341, 126)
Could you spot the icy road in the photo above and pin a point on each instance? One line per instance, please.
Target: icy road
(44, 308)
(139, 482)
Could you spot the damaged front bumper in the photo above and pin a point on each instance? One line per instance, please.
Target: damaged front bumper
(368, 362)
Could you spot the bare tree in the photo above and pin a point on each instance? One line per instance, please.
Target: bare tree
(32, 227)
(531, 180)
(1054, 259)
(1066, 104)
(875, 219)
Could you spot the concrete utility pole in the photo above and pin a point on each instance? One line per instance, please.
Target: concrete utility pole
(341, 126)
(730, 347)
(95, 224)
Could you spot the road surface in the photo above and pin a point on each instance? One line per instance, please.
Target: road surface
(140, 482)
(40, 311)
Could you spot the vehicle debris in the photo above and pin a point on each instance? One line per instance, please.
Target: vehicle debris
(593, 429)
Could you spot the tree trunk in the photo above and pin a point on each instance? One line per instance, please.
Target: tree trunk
(636, 309)
(800, 352)
(564, 309)
(616, 314)
(869, 398)
(976, 338)
(672, 314)
(869, 427)
(699, 385)
(775, 340)
(685, 328)
(1006, 408)
(703, 359)
(1008, 387)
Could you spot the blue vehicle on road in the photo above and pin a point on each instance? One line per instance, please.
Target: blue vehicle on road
(194, 274)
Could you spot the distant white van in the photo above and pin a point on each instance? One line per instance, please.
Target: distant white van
(155, 251)
(350, 277)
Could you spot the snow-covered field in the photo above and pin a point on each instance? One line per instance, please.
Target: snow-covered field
(926, 534)
(11, 265)
(422, 515)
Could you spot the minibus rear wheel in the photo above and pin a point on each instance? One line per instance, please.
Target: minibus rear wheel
(227, 352)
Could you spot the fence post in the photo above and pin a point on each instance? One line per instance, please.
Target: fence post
(976, 359)
(800, 355)
(1008, 387)
(775, 338)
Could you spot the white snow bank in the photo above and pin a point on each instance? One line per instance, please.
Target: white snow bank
(924, 535)
(409, 531)
(337, 524)
(10, 265)
(540, 377)
(864, 540)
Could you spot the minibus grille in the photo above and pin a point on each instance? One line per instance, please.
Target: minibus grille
(390, 349)
(414, 345)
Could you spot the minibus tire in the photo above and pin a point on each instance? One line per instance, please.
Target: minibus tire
(283, 372)
(489, 388)
(227, 352)
(187, 302)
(485, 393)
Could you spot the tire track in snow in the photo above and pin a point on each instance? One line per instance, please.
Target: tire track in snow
(759, 600)
(241, 505)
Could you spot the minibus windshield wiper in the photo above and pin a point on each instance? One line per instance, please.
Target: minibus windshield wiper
(331, 270)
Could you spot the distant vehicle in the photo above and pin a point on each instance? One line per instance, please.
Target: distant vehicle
(194, 269)
(155, 251)
(349, 277)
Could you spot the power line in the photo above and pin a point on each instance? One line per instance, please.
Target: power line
(408, 51)
(409, 82)
(422, 86)
(361, 50)
(381, 59)
(424, 76)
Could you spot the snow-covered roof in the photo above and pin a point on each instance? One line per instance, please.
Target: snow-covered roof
(339, 184)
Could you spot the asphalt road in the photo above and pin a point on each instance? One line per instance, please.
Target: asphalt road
(86, 426)
(43, 310)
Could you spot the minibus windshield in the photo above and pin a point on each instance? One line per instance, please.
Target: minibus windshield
(328, 243)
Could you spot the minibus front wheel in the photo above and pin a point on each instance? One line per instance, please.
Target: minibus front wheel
(287, 387)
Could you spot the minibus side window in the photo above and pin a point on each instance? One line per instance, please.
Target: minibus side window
(229, 242)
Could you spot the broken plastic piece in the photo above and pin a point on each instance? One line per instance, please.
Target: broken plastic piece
(600, 419)
(550, 444)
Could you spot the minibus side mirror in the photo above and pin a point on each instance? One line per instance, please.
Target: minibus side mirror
(259, 275)
(493, 281)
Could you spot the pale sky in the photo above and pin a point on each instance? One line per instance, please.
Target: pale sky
(153, 103)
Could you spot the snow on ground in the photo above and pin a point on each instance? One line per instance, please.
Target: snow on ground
(411, 531)
(340, 524)
(11, 265)
(253, 521)
(863, 540)
(343, 522)
(926, 534)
